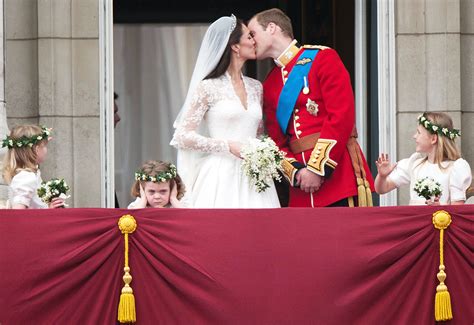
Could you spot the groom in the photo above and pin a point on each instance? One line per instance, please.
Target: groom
(309, 109)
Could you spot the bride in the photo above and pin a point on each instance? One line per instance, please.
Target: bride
(222, 109)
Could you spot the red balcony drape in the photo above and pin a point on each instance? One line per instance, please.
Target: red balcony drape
(276, 266)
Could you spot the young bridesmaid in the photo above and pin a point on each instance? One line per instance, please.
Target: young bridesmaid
(157, 185)
(436, 157)
(27, 149)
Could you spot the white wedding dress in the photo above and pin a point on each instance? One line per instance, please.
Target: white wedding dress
(212, 175)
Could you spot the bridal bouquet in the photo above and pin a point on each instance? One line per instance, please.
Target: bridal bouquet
(54, 188)
(261, 162)
(427, 188)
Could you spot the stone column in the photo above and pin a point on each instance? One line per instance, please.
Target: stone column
(68, 69)
(429, 67)
(52, 73)
(467, 79)
(3, 112)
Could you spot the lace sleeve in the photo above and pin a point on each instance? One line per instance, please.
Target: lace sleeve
(186, 135)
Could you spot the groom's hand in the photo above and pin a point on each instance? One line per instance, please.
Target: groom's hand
(309, 181)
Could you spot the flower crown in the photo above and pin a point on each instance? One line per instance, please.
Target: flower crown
(26, 141)
(434, 128)
(160, 177)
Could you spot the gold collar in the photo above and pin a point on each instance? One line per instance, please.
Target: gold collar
(287, 55)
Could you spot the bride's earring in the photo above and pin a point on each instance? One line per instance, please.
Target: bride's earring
(238, 54)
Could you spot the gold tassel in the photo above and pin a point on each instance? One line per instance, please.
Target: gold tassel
(368, 191)
(126, 310)
(443, 311)
(361, 194)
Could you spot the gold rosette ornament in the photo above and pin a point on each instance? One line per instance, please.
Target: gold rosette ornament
(443, 311)
(126, 310)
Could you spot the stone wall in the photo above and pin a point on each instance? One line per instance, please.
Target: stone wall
(52, 78)
(434, 68)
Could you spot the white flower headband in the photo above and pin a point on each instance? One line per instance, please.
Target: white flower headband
(160, 177)
(437, 129)
(26, 141)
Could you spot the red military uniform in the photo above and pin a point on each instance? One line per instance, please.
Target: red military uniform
(327, 109)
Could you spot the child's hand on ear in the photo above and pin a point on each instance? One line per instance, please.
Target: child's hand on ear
(174, 196)
(174, 191)
(143, 202)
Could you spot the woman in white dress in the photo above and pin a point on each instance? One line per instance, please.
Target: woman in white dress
(222, 110)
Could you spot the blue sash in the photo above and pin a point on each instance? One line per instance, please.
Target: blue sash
(291, 89)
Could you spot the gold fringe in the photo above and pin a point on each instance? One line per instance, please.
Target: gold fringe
(126, 309)
(362, 199)
(350, 200)
(443, 310)
(368, 193)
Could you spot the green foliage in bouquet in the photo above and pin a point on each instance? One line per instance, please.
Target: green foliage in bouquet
(51, 189)
(427, 188)
(261, 162)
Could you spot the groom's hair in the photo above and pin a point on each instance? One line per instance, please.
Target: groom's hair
(277, 17)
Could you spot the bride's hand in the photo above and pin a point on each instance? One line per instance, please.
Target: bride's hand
(234, 148)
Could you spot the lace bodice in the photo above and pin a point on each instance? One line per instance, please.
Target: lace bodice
(216, 114)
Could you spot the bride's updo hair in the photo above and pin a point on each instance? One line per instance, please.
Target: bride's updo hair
(224, 62)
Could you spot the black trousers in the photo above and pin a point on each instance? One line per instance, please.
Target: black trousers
(343, 203)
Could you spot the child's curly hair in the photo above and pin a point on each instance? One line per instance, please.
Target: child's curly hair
(154, 168)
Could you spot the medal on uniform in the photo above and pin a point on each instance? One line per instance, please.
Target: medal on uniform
(305, 88)
(312, 107)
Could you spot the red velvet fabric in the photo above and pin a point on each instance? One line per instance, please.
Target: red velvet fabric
(279, 266)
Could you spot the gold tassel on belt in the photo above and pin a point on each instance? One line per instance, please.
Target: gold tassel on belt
(126, 310)
(443, 311)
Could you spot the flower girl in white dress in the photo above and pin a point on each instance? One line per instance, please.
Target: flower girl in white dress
(27, 149)
(223, 109)
(157, 185)
(436, 157)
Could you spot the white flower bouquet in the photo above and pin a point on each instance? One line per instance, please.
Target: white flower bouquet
(427, 188)
(56, 187)
(261, 162)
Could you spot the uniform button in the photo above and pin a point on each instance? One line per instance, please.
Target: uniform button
(285, 79)
(297, 117)
(285, 72)
(297, 125)
(314, 160)
(297, 110)
(298, 132)
(318, 152)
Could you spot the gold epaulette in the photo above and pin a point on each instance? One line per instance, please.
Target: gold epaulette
(289, 171)
(317, 47)
(320, 156)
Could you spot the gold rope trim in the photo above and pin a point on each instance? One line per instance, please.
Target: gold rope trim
(443, 310)
(126, 309)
